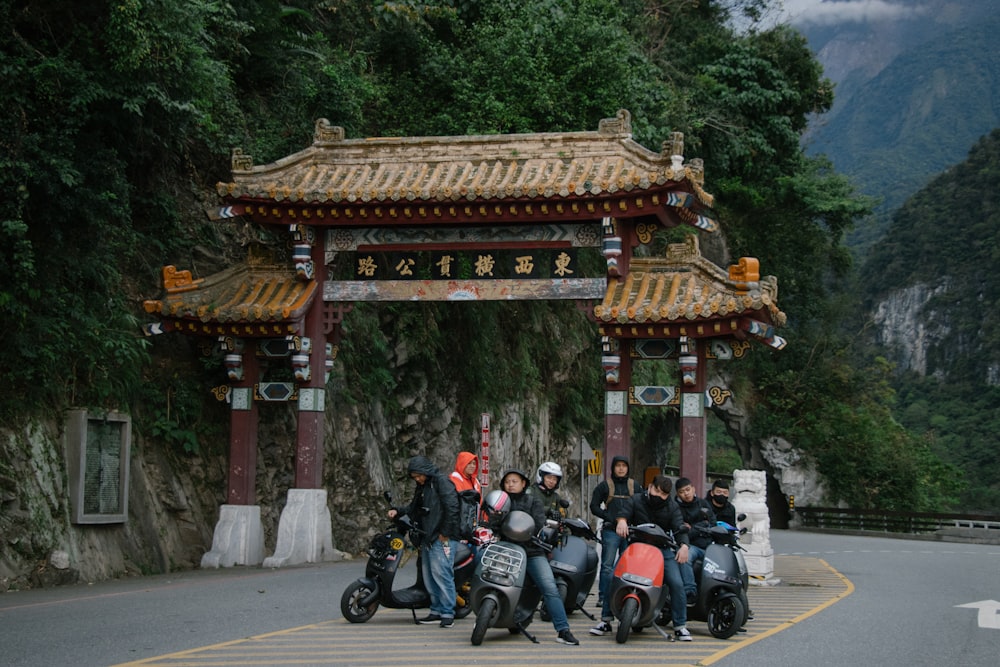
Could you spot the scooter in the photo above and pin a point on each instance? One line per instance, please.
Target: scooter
(503, 595)
(637, 590)
(386, 553)
(721, 600)
(574, 564)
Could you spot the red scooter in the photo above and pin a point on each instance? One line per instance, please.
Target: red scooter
(638, 591)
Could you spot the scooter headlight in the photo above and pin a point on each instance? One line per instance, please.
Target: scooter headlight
(636, 579)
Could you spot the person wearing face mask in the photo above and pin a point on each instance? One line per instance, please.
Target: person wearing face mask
(656, 506)
(718, 496)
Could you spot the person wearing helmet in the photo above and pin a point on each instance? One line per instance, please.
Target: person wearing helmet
(515, 483)
(547, 479)
(434, 510)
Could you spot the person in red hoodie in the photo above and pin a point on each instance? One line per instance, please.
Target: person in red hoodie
(466, 473)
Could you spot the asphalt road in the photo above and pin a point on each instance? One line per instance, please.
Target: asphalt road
(904, 610)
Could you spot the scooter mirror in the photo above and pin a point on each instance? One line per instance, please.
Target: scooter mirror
(741, 517)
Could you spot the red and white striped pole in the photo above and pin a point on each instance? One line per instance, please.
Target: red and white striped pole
(484, 453)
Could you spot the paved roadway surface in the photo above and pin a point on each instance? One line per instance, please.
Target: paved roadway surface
(841, 600)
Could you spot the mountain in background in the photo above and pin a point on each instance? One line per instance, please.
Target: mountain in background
(914, 91)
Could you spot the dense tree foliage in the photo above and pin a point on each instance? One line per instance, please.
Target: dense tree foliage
(120, 116)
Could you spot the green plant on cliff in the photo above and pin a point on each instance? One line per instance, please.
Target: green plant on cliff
(120, 117)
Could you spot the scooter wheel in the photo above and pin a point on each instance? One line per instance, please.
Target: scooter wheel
(725, 616)
(484, 616)
(350, 603)
(629, 609)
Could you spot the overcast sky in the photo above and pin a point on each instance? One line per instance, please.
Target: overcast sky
(828, 12)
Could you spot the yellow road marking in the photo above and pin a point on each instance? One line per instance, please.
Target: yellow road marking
(808, 586)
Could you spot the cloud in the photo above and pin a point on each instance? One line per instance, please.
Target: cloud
(833, 12)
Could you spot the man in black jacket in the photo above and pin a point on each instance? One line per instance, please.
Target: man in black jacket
(655, 506)
(515, 483)
(434, 510)
(606, 503)
(719, 499)
(698, 518)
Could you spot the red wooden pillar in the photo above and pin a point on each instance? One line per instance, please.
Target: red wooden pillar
(617, 421)
(312, 394)
(693, 420)
(243, 419)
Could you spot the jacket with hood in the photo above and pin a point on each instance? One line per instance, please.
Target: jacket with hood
(528, 502)
(434, 508)
(606, 509)
(699, 515)
(458, 478)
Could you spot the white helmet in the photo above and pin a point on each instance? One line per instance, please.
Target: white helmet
(548, 468)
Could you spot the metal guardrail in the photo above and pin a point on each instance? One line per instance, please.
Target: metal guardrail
(891, 522)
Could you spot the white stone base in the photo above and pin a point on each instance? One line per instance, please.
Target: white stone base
(238, 538)
(304, 530)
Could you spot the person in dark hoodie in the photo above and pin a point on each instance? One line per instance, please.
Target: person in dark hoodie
(515, 483)
(606, 503)
(434, 510)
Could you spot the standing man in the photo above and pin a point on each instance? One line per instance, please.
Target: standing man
(607, 503)
(434, 510)
(515, 483)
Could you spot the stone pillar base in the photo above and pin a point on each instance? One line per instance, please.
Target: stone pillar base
(304, 530)
(761, 569)
(238, 538)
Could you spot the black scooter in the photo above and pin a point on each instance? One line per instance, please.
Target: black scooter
(721, 579)
(386, 553)
(574, 564)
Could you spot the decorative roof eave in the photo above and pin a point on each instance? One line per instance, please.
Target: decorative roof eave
(685, 290)
(247, 300)
(573, 168)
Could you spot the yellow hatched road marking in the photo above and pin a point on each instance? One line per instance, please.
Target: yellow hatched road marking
(808, 586)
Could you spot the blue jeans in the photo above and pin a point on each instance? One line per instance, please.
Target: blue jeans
(541, 573)
(695, 554)
(672, 572)
(439, 577)
(612, 547)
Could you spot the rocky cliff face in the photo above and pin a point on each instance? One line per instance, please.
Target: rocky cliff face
(906, 329)
(174, 497)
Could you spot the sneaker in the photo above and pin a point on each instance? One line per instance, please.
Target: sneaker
(566, 637)
(447, 622)
(430, 619)
(682, 634)
(601, 629)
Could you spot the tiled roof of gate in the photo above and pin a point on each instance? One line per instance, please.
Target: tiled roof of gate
(468, 168)
(244, 293)
(684, 286)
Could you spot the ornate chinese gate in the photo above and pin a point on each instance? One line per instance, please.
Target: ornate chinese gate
(498, 217)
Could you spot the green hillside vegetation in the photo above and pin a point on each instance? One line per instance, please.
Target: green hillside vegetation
(948, 235)
(916, 118)
(119, 118)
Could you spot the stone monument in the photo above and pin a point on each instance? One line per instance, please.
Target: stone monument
(751, 500)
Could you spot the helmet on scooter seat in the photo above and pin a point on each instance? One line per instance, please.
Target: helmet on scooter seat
(518, 526)
(549, 468)
(497, 503)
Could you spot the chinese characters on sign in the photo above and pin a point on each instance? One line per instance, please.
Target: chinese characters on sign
(473, 264)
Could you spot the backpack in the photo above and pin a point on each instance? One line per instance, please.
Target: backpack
(611, 490)
(468, 513)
